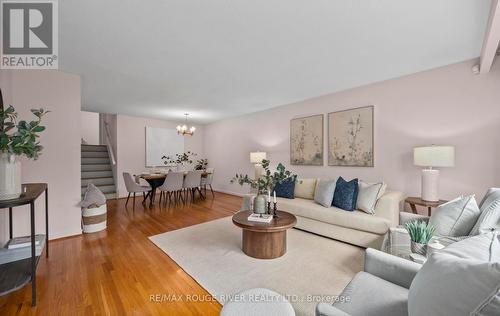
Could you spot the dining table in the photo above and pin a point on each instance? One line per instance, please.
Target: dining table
(156, 179)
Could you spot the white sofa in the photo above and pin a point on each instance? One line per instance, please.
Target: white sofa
(356, 227)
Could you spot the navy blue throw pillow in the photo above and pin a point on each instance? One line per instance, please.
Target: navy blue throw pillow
(346, 194)
(286, 188)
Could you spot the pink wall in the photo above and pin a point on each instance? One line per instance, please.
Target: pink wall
(89, 126)
(448, 105)
(131, 144)
(59, 164)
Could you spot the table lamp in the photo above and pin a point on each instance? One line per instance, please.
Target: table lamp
(256, 159)
(432, 156)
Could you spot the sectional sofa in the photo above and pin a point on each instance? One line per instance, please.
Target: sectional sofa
(354, 227)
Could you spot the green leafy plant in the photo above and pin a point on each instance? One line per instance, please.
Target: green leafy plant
(20, 138)
(179, 159)
(201, 164)
(268, 180)
(420, 231)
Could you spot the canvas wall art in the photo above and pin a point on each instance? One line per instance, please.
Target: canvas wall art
(306, 141)
(350, 137)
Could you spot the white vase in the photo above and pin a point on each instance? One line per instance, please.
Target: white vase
(259, 204)
(10, 177)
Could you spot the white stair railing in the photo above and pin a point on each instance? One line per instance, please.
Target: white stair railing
(107, 136)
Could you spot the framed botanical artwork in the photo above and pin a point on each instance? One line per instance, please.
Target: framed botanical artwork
(350, 137)
(306, 141)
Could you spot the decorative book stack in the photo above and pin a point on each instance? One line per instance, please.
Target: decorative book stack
(16, 249)
(262, 218)
(20, 242)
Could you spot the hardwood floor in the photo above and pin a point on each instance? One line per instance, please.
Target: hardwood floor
(116, 272)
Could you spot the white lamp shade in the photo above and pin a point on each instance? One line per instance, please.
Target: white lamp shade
(434, 156)
(257, 157)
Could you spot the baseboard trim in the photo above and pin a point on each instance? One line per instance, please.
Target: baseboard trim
(230, 192)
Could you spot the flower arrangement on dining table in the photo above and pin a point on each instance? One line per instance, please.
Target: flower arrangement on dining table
(201, 164)
(179, 159)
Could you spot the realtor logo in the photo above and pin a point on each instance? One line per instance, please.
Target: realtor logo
(29, 34)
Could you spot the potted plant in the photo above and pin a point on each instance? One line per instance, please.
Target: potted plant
(201, 164)
(264, 184)
(179, 160)
(420, 234)
(16, 139)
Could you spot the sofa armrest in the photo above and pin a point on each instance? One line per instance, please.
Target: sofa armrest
(405, 217)
(390, 268)
(388, 207)
(324, 309)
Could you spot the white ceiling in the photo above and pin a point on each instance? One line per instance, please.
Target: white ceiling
(221, 58)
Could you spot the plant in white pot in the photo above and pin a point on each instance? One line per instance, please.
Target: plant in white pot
(266, 183)
(17, 138)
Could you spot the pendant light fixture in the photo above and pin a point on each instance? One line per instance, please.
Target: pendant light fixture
(184, 130)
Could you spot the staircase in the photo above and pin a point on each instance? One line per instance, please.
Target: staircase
(96, 169)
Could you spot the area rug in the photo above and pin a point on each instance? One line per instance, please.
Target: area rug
(313, 269)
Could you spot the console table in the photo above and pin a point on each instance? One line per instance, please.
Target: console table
(16, 274)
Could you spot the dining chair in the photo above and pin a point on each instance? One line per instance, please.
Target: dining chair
(192, 183)
(133, 187)
(172, 186)
(208, 181)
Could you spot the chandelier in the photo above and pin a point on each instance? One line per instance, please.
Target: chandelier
(183, 129)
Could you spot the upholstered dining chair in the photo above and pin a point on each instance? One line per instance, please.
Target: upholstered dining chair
(133, 187)
(208, 181)
(172, 186)
(192, 183)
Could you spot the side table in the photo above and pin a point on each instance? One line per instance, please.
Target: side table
(16, 274)
(414, 201)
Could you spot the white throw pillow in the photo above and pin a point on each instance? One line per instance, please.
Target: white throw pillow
(462, 279)
(490, 213)
(304, 188)
(456, 217)
(323, 194)
(368, 195)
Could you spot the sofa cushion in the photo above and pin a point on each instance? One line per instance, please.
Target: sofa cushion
(462, 279)
(370, 295)
(304, 188)
(323, 194)
(356, 220)
(346, 194)
(286, 188)
(456, 217)
(368, 195)
(489, 219)
(487, 195)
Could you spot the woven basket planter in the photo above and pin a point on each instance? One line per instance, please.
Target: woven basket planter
(94, 219)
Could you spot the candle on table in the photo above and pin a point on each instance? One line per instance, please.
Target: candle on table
(274, 193)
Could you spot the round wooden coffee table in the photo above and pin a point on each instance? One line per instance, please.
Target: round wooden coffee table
(264, 240)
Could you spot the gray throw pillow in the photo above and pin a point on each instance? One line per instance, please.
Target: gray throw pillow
(368, 195)
(323, 194)
(93, 197)
(490, 213)
(456, 217)
(462, 279)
